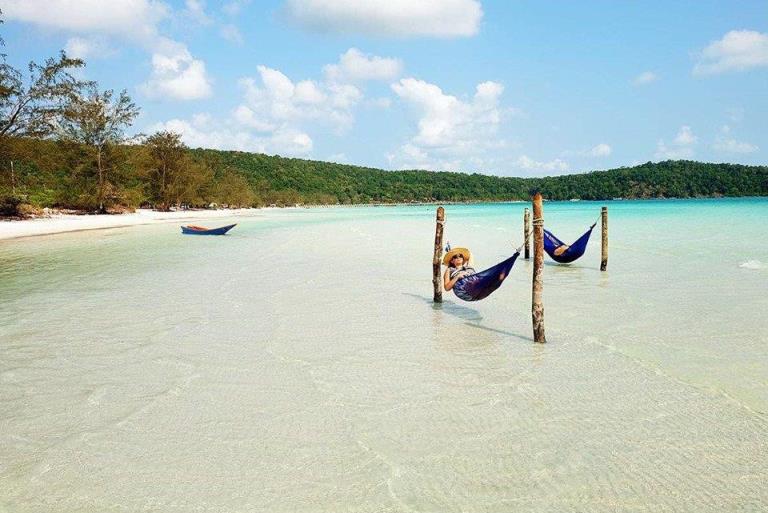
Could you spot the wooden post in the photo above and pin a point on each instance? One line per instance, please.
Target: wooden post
(436, 282)
(604, 253)
(527, 233)
(537, 307)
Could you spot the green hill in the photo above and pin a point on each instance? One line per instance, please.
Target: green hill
(353, 184)
(49, 173)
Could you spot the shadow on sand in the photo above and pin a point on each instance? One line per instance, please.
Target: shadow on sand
(471, 316)
(565, 267)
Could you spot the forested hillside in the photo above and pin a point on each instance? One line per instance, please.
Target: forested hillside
(328, 182)
(49, 173)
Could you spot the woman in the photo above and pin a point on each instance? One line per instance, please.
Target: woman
(457, 262)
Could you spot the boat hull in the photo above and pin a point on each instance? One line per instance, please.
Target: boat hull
(213, 231)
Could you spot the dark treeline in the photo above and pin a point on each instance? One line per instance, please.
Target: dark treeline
(64, 144)
(324, 182)
(162, 173)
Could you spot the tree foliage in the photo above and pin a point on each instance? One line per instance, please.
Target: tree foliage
(168, 171)
(98, 121)
(59, 173)
(31, 105)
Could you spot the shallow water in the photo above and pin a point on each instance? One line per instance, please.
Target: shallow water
(298, 364)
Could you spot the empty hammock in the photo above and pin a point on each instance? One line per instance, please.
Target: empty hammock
(553, 247)
(481, 285)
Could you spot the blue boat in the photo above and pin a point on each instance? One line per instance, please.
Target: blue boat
(201, 230)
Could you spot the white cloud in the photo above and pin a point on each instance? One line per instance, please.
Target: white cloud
(246, 117)
(195, 10)
(451, 133)
(307, 91)
(646, 77)
(673, 153)
(738, 50)
(201, 131)
(601, 150)
(231, 33)
(414, 154)
(135, 19)
(273, 114)
(85, 48)
(685, 137)
(355, 66)
(727, 144)
(290, 141)
(399, 18)
(445, 120)
(682, 146)
(528, 164)
(278, 100)
(176, 74)
(734, 146)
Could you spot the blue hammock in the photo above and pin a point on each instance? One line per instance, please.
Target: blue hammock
(481, 285)
(551, 243)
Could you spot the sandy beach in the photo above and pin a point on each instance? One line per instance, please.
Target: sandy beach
(62, 223)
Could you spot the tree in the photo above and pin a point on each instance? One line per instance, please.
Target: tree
(174, 176)
(193, 185)
(30, 107)
(167, 161)
(98, 121)
(233, 190)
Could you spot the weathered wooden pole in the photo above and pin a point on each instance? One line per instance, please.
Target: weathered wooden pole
(527, 233)
(604, 252)
(537, 306)
(437, 285)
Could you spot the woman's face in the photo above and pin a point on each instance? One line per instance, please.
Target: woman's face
(457, 260)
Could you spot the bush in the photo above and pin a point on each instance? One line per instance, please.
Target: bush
(9, 205)
(27, 210)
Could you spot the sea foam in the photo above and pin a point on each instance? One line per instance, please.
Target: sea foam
(752, 264)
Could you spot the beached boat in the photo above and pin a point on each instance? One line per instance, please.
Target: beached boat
(201, 230)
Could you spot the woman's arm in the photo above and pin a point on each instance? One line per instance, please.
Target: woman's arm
(449, 283)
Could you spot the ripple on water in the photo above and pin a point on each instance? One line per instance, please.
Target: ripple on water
(269, 372)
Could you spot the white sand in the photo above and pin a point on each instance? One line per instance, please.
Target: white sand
(69, 222)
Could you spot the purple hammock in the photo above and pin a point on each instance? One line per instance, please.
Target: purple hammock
(551, 243)
(481, 285)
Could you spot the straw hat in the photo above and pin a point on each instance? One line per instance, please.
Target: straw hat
(457, 251)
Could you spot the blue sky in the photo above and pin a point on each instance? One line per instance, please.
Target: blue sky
(498, 87)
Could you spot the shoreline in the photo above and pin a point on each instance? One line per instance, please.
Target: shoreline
(67, 223)
(12, 229)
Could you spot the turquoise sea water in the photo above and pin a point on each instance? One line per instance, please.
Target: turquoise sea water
(299, 365)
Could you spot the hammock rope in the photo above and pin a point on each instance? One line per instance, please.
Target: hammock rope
(525, 241)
